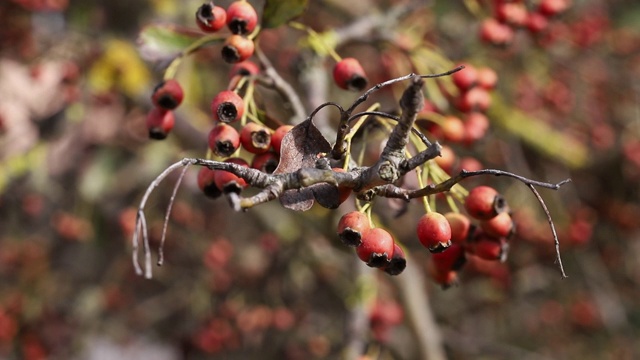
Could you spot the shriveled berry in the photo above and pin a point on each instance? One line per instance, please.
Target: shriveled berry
(352, 226)
(227, 106)
(237, 48)
(376, 248)
(266, 162)
(229, 182)
(278, 134)
(501, 225)
(484, 202)
(159, 123)
(349, 75)
(207, 184)
(241, 17)
(398, 262)
(434, 232)
(167, 94)
(255, 138)
(460, 227)
(224, 140)
(210, 18)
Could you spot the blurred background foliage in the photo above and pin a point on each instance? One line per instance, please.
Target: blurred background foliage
(75, 82)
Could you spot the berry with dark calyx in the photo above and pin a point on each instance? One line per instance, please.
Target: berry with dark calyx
(460, 227)
(376, 248)
(349, 75)
(245, 68)
(490, 248)
(352, 226)
(398, 262)
(434, 232)
(207, 184)
(255, 138)
(451, 259)
(210, 18)
(167, 94)
(237, 48)
(224, 140)
(501, 225)
(241, 17)
(484, 202)
(227, 106)
(229, 182)
(278, 134)
(266, 162)
(159, 123)
(466, 78)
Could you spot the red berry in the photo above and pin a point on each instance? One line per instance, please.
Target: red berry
(255, 138)
(498, 226)
(229, 182)
(224, 140)
(487, 78)
(207, 184)
(553, 7)
(245, 68)
(469, 163)
(475, 127)
(352, 226)
(447, 158)
(537, 22)
(489, 248)
(434, 232)
(476, 99)
(453, 128)
(460, 227)
(167, 95)
(159, 123)
(445, 279)
(376, 248)
(451, 259)
(278, 134)
(343, 192)
(266, 162)
(484, 202)
(211, 18)
(466, 78)
(349, 75)
(241, 17)
(496, 33)
(398, 262)
(512, 13)
(227, 106)
(237, 48)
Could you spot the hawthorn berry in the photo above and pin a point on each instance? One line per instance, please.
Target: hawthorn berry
(451, 259)
(237, 48)
(490, 248)
(434, 232)
(343, 192)
(278, 134)
(460, 227)
(245, 68)
(159, 123)
(537, 22)
(487, 78)
(376, 248)
(224, 140)
(466, 78)
(501, 225)
(484, 202)
(255, 138)
(453, 129)
(266, 162)
(512, 13)
(553, 7)
(210, 18)
(352, 226)
(496, 33)
(207, 184)
(241, 17)
(349, 75)
(398, 262)
(476, 99)
(476, 125)
(167, 94)
(229, 182)
(227, 106)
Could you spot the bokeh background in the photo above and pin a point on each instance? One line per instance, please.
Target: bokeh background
(75, 160)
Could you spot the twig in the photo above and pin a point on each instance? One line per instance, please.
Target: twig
(166, 217)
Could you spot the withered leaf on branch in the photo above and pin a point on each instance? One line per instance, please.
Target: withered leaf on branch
(300, 149)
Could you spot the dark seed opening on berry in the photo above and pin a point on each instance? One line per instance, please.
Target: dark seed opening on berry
(377, 260)
(270, 166)
(396, 266)
(350, 237)
(238, 26)
(232, 187)
(205, 13)
(168, 102)
(230, 54)
(157, 134)
(212, 191)
(440, 247)
(227, 112)
(225, 148)
(261, 139)
(500, 204)
(357, 83)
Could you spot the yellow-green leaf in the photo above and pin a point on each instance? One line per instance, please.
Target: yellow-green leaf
(278, 12)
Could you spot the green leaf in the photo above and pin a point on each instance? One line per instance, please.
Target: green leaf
(278, 12)
(162, 41)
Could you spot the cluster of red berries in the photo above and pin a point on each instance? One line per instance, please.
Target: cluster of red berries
(512, 15)
(452, 237)
(375, 246)
(166, 96)
(240, 18)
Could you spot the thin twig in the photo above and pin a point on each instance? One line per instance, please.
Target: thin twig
(166, 217)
